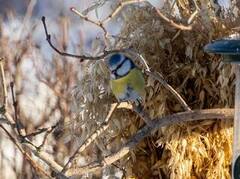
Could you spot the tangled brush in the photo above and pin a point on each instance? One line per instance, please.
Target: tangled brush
(200, 149)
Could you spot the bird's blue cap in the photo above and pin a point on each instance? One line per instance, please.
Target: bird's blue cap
(228, 47)
(114, 59)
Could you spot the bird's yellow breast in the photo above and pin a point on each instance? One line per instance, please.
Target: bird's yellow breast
(134, 80)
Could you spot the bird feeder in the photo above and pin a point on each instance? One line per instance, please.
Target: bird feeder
(230, 49)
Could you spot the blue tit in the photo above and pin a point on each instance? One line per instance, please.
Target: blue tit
(127, 81)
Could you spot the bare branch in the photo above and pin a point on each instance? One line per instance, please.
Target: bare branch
(207, 114)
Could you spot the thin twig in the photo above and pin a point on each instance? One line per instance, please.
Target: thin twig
(172, 23)
(191, 18)
(206, 114)
(144, 62)
(48, 130)
(180, 26)
(46, 135)
(97, 23)
(82, 57)
(26, 19)
(119, 8)
(93, 136)
(39, 131)
(158, 77)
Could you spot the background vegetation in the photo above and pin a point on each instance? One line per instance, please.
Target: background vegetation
(58, 108)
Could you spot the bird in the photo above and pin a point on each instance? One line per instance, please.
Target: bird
(126, 79)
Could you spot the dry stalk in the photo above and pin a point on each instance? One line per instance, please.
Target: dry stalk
(3, 83)
(92, 137)
(34, 164)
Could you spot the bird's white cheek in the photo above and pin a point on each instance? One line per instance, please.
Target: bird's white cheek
(124, 69)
